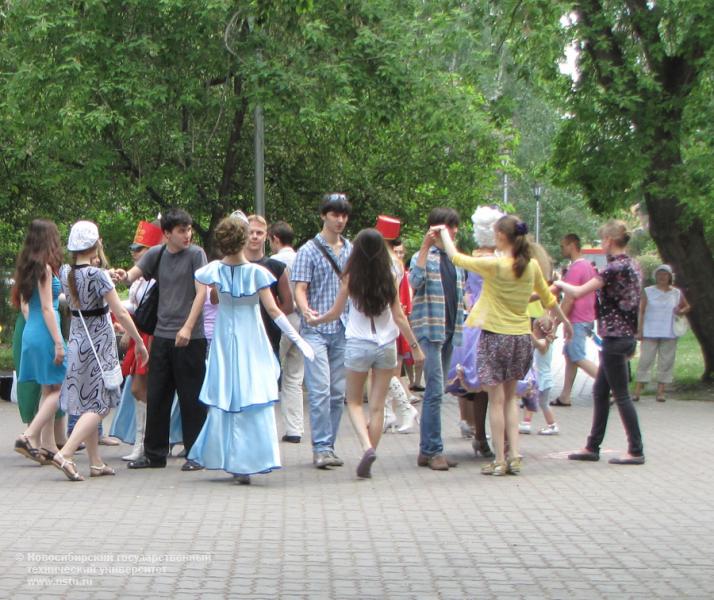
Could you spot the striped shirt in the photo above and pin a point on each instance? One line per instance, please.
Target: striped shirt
(428, 318)
(313, 268)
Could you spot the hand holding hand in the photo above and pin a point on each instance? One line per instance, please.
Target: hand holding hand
(117, 275)
(418, 356)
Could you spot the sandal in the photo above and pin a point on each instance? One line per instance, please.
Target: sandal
(67, 467)
(101, 470)
(24, 447)
(45, 456)
(557, 402)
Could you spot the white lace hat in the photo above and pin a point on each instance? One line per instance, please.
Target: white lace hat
(82, 236)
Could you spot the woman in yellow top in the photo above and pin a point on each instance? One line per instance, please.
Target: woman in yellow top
(505, 349)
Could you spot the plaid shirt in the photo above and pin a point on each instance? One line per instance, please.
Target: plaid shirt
(428, 318)
(313, 268)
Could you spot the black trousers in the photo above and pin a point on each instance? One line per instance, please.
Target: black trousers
(173, 370)
(613, 375)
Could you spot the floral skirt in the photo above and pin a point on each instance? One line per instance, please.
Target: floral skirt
(501, 357)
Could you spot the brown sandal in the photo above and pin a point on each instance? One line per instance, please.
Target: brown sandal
(45, 456)
(24, 447)
(101, 470)
(67, 467)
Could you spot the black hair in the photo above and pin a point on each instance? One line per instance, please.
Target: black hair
(371, 284)
(282, 231)
(336, 203)
(175, 217)
(395, 242)
(443, 216)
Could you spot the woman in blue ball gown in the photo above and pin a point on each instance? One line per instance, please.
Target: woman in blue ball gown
(241, 383)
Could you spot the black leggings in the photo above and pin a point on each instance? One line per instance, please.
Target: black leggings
(613, 374)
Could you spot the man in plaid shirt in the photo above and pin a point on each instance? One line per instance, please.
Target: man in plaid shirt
(437, 320)
(317, 281)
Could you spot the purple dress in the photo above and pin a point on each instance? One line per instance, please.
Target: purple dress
(463, 378)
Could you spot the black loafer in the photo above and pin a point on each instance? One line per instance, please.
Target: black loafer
(292, 439)
(192, 465)
(145, 463)
(586, 456)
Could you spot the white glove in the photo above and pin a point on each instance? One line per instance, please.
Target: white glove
(294, 337)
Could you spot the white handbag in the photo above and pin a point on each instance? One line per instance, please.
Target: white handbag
(112, 378)
(680, 325)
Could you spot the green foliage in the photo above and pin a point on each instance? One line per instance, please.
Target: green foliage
(115, 111)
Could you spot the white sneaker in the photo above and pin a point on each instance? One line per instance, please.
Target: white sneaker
(524, 427)
(551, 429)
(466, 430)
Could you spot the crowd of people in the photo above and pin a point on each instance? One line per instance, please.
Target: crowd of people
(212, 347)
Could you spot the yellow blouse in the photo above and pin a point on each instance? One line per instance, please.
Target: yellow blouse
(503, 305)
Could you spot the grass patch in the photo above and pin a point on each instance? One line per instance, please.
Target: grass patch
(688, 369)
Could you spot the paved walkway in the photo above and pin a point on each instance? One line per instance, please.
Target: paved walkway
(559, 530)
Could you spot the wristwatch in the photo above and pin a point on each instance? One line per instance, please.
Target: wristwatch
(414, 345)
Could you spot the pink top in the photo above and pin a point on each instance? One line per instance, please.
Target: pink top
(580, 272)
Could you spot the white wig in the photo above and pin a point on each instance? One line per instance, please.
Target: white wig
(484, 218)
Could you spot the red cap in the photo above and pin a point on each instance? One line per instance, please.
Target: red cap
(148, 234)
(389, 227)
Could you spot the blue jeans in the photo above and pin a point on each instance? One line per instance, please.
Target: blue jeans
(325, 383)
(72, 421)
(437, 358)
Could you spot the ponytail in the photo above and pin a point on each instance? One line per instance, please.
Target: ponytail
(516, 232)
(521, 254)
(72, 280)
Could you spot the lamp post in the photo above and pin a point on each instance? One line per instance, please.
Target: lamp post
(537, 191)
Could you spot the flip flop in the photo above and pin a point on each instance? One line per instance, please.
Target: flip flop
(557, 402)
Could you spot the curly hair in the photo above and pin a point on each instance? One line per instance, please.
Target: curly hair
(230, 236)
(516, 234)
(42, 247)
(371, 284)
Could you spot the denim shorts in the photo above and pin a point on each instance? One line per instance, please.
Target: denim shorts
(575, 348)
(363, 355)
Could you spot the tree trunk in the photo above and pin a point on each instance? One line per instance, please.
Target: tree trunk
(682, 245)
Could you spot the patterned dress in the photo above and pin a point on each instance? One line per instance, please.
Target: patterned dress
(83, 388)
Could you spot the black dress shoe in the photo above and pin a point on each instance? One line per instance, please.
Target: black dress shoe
(192, 465)
(145, 463)
(586, 456)
(292, 439)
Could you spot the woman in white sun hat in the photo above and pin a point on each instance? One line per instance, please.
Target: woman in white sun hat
(91, 295)
(659, 305)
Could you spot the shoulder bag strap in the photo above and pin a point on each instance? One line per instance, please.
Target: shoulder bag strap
(326, 254)
(91, 342)
(156, 278)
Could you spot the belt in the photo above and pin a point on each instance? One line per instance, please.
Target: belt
(95, 312)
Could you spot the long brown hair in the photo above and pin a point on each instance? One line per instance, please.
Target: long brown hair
(42, 247)
(516, 233)
(371, 284)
